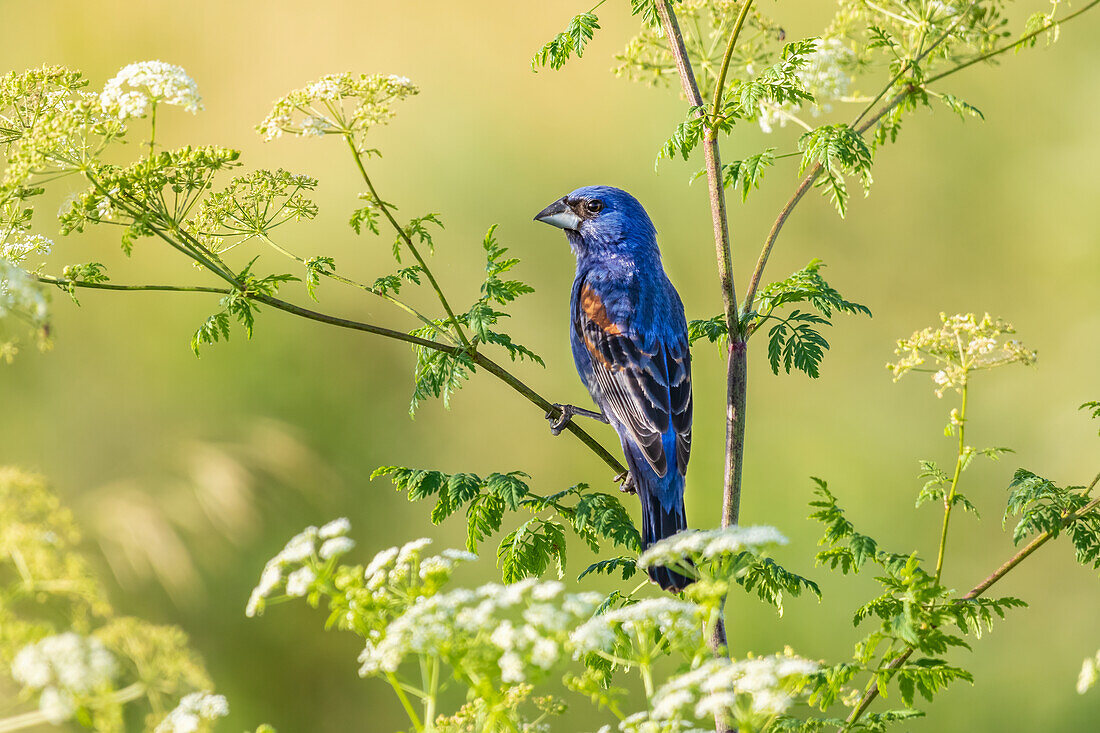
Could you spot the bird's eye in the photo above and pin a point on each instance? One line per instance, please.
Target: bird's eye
(594, 206)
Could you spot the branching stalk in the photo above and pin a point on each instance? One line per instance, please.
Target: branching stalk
(949, 497)
(408, 242)
(872, 689)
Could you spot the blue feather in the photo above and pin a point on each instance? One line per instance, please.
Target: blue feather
(630, 346)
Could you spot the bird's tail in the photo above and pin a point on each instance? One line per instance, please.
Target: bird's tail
(661, 519)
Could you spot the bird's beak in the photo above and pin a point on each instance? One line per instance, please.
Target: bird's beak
(560, 215)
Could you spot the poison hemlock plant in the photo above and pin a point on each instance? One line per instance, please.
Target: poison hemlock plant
(499, 645)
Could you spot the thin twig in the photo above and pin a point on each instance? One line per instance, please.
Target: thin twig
(478, 358)
(812, 175)
(408, 242)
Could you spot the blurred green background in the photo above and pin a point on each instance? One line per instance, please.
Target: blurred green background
(189, 473)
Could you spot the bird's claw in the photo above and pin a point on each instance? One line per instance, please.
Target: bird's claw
(562, 418)
(562, 415)
(626, 479)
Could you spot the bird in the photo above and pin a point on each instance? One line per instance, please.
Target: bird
(629, 340)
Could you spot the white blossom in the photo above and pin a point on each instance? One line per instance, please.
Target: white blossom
(335, 528)
(21, 245)
(57, 705)
(1090, 673)
(192, 710)
(139, 86)
(298, 582)
(748, 692)
(335, 547)
(709, 544)
(68, 661)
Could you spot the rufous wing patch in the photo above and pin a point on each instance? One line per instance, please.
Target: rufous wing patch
(593, 307)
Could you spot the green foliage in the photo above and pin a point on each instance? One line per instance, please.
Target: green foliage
(366, 216)
(570, 41)
(746, 174)
(1045, 507)
(856, 549)
(528, 550)
(687, 136)
(91, 272)
(1094, 408)
(841, 152)
(627, 566)
(770, 581)
(794, 341)
(316, 268)
(595, 517)
(240, 305)
(437, 374)
(713, 329)
(482, 315)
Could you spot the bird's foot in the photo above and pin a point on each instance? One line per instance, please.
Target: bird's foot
(562, 415)
(626, 479)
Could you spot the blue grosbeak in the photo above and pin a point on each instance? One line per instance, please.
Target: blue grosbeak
(630, 345)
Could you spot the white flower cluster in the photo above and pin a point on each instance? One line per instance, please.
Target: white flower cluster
(20, 245)
(63, 667)
(699, 545)
(678, 624)
(401, 565)
(293, 567)
(137, 87)
(759, 688)
(825, 75)
(514, 630)
(961, 344)
(20, 293)
(642, 723)
(192, 711)
(319, 107)
(1090, 673)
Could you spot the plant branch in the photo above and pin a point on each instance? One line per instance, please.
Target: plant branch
(730, 47)
(480, 359)
(861, 128)
(408, 241)
(356, 284)
(872, 692)
(949, 497)
(63, 283)
(736, 360)
(1015, 44)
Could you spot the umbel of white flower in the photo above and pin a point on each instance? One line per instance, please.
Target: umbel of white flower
(63, 667)
(138, 87)
(293, 568)
(713, 544)
(749, 692)
(192, 711)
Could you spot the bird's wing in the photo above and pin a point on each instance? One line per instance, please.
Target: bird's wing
(646, 390)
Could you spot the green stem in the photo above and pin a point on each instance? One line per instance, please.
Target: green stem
(949, 498)
(718, 88)
(152, 129)
(1011, 46)
(405, 702)
(872, 691)
(478, 358)
(408, 241)
(433, 691)
(355, 284)
(63, 283)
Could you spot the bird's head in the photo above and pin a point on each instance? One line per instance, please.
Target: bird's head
(601, 217)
